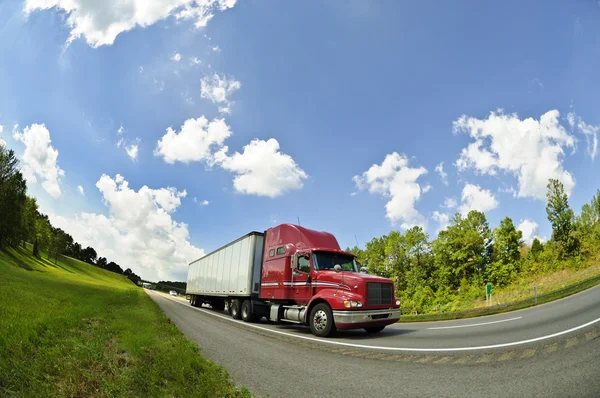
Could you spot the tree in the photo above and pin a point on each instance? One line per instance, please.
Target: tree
(560, 216)
(12, 198)
(536, 248)
(507, 242)
(114, 267)
(101, 262)
(89, 255)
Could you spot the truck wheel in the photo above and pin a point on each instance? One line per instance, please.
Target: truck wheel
(193, 301)
(236, 311)
(321, 320)
(247, 315)
(375, 330)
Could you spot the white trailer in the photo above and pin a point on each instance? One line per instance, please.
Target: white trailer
(230, 271)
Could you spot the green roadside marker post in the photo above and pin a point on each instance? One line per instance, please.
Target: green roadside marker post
(488, 294)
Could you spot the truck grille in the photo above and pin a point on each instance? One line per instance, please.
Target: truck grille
(379, 293)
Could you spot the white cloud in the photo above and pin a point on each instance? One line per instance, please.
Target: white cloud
(100, 22)
(443, 175)
(197, 141)
(139, 232)
(475, 198)
(216, 49)
(442, 219)
(196, 61)
(2, 142)
(395, 180)
(80, 189)
(262, 169)
(121, 129)
(590, 132)
(426, 188)
(176, 57)
(531, 150)
(217, 89)
(530, 230)
(132, 151)
(450, 203)
(201, 203)
(40, 158)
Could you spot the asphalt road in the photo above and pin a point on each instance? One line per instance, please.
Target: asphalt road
(552, 350)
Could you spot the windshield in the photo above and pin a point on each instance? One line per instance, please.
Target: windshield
(326, 261)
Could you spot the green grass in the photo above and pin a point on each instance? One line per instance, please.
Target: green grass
(71, 329)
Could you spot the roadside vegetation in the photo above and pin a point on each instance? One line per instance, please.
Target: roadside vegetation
(70, 329)
(449, 273)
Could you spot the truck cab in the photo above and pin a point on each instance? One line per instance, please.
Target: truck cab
(306, 278)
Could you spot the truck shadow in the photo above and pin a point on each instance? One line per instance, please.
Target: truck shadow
(358, 334)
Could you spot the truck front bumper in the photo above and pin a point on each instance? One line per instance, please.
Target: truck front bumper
(365, 318)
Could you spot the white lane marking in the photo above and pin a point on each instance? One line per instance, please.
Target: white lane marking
(374, 347)
(475, 324)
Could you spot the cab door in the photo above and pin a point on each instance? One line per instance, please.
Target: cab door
(302, 282)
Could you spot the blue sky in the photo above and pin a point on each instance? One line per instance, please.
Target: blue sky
(338, 85)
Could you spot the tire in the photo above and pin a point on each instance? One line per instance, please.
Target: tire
(236, 310)
(375, 329)
(193, 301)
(247, 311)
(321, 320)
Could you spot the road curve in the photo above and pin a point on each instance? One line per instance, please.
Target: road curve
(557, 353)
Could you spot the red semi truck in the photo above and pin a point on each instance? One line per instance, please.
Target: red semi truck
(293, 274)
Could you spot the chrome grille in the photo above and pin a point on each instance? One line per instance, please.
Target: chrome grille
(379, 293)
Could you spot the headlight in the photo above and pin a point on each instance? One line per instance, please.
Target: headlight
(352, 303)
(398, 302)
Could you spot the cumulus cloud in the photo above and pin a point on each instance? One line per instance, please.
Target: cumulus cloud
(80, 189)
(443, 175)
(261, 169)
(217, 89)
(396, 181)
(475, 198)
(100, 22)
(531, 150)
(176, 57)
(590, 132)
(216, 49)
(40, 158)
(2, 142)
(530, 230)
(197, 141)
(139, 232)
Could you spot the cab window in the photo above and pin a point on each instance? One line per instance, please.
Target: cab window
(303, 264)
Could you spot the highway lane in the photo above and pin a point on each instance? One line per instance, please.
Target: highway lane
(283, 365)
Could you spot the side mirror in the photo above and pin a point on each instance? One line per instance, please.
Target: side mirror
(294, 262)
(337, 268)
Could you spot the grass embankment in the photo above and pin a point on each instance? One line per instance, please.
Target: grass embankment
(520, 295)
(72, 329)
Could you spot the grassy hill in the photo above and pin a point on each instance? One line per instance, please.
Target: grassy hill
(71, 329)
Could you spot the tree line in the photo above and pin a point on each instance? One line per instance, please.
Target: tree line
(468, 253)
(21, 222)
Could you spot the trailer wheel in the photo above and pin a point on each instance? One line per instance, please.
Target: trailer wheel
(321, 320)
(193, 301)
(236, 311)
(375, 330)
(247, 314)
